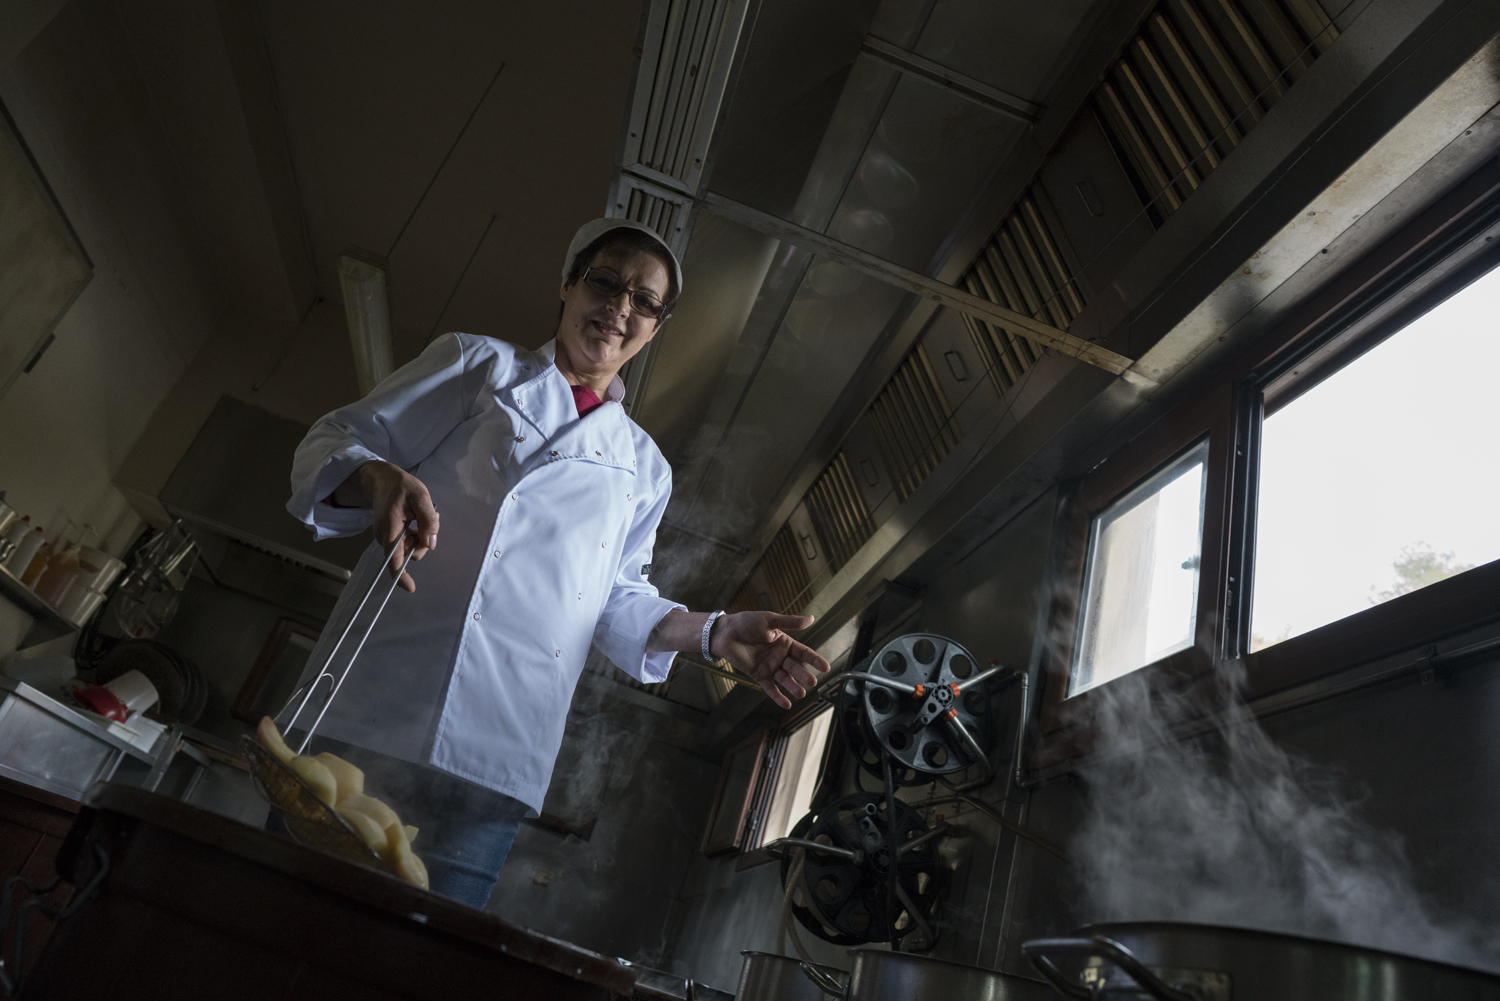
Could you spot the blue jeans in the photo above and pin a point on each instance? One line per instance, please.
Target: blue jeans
(464, 831)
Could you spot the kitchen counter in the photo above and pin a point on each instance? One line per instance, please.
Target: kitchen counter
(191, 904)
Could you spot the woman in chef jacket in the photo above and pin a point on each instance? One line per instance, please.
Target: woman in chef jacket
(550, 497)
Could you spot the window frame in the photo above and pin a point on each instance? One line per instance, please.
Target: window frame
(745, 803)
(1434, 256)
(772, 758)
(1091, 541)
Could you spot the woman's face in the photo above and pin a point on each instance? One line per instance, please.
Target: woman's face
(601, 335)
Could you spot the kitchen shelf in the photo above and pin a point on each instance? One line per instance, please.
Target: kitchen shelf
(50, 623)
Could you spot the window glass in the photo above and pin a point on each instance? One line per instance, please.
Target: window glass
(1383, 478)
(1141, 582)
(796, 777)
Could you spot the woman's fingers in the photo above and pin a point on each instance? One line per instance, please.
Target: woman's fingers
(425, 515)
(769, 687)
(807, 656)
(788, 681)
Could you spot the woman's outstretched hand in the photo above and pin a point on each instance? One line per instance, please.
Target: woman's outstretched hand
(397, 498)
(757, 644)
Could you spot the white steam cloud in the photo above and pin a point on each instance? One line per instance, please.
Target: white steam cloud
(1231, 829)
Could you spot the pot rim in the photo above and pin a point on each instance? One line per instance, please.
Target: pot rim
(1290, 938)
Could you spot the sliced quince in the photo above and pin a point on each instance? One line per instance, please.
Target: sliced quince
(369, 832)
(350, 780)
(372, 808)
(316, 774)
(401, 859)
(270, 739)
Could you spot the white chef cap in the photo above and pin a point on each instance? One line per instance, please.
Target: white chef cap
(591, 231)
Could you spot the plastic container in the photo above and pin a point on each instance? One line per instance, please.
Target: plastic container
(26, 546)
(97, 569)
(38, 563)
(135, 690)
(80, 604)
(57, 580)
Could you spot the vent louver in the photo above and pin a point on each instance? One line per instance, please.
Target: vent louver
(838, 512)
(1022, 267)
(1195, 80)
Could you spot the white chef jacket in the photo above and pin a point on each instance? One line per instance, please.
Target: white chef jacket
(547, 525)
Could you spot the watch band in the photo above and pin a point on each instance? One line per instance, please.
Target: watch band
(708, 627)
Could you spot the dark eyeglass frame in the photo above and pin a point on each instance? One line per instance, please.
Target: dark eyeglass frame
(641, 301)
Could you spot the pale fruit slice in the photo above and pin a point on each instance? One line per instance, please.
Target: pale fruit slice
(270, 739)
(369, 832)
(399, 856)
(316, 774)
(372, 808)
(350, 780)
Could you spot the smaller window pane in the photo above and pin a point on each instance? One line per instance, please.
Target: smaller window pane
(1141, 582)
(796, 777)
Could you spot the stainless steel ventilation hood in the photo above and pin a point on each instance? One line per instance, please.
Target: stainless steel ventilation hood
(233, 482)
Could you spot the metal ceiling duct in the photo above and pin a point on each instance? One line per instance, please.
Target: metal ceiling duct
(687, 51)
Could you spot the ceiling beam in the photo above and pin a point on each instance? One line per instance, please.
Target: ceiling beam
(929, 288)
(939, 75)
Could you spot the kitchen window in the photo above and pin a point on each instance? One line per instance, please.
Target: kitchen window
(793, 776)
(1392, 442)
(1140, 600)
(766, 785)
(1342, 485)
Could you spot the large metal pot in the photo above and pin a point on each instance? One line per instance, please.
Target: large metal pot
(768, 977)
(900, 976)
(1186, 962)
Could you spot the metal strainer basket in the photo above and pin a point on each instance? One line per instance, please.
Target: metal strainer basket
(310, 820)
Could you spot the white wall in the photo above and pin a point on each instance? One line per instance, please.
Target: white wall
(67, 426)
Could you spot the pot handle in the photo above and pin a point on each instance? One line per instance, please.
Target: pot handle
(825, 982)
(1039, 951)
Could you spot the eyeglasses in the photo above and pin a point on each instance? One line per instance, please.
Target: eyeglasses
(608, 286)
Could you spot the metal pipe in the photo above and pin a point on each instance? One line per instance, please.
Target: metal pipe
(921, 840)
(1022, 782)
(899, 686)
(982, 677)
(916, 914)
(972, 745)
(853, 855)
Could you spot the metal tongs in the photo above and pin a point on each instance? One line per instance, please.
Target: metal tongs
(325, 671)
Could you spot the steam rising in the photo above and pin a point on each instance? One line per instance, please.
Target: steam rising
(1231, 829)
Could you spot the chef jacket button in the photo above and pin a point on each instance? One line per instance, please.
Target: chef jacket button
(597, 452)
(580, 595)
(557, 653)
(497, 554)
(520, 437)
(604, 545)
(515, 496)
(627, 497)
(476, 615)
(551, 453)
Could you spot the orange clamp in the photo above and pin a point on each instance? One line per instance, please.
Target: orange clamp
(954, 687)
(919, 692)
(951, 714)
